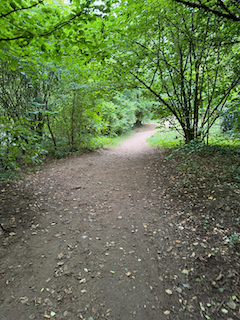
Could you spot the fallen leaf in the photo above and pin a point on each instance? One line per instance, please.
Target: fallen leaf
(219, 277)
(201, 258)
(23, 300)
(225, 311)
(68, 291)
(167, 312)
(232, 304)
(185, 271)
(47, 316)
(60, 255)
(82, 281)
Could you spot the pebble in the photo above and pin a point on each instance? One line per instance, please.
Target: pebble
(232, 304)
(179, 290)
(168, 291)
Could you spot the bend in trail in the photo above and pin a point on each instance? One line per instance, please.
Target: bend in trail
(96, 245)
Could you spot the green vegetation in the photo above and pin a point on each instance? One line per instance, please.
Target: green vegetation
(75, 75)
(165, 138)
(171, 138)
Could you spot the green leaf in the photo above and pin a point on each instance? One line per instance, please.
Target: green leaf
(82, 280)
(185, 271)
(201, 306)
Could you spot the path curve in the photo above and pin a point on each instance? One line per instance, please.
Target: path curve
(136, 144)
(90, 235)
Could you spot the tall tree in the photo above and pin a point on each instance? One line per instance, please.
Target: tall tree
(178, 55)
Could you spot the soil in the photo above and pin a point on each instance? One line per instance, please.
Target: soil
(113, 234)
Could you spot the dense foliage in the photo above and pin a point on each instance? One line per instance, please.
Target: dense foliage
(180, 58)
(70, 73)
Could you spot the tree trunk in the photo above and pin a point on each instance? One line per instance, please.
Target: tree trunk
(189, 134)
(72, 119)
(52, 135)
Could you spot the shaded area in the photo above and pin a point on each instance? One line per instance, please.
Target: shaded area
(112, 235)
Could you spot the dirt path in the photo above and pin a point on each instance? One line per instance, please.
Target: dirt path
(90, 239)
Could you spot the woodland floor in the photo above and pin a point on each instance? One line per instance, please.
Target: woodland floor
(113, 234)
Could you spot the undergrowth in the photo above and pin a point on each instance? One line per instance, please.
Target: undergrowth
(61, 151)
(219, 158)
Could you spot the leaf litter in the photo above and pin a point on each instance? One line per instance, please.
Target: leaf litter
(201, 231)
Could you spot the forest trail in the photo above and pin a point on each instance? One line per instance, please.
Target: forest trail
(92, 238)
(136, 144)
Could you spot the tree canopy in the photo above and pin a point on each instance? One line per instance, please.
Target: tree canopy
(187, 60)
(71, 72)
(225, 9)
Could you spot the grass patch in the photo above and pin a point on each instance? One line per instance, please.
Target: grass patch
(112, 142)
(219, 159)
(224, 140)
(90, 144)
(165, 138)
(170, 138)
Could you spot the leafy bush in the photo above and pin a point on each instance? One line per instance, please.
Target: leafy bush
(231, 117)
(234, 239)
(19, 146)
(230, 122)
(124, 111)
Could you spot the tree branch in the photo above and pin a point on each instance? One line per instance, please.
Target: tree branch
(21, 9)
(46, 33)
(229, 15)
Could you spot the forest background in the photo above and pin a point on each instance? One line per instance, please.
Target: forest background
(74, 76)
